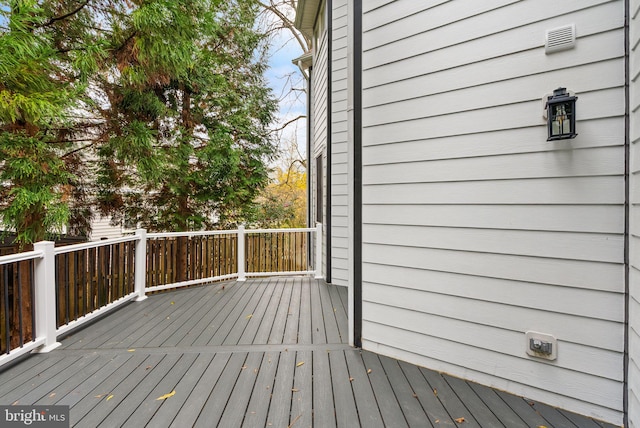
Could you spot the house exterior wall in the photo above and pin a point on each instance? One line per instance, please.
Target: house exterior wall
(102, 229)
(634, 217)
(340, 161)
(319, 123)
(475, 228)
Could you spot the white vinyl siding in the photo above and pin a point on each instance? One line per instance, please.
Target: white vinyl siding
(475, 228)
(340, 168)
(319, 124)
(634, 220)
(102, 229)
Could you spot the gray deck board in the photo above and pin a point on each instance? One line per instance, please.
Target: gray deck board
(304, 324)
(199, 393)
(239, 399)
(368, 411)
(293, 316)
(262, 335)
(164, 416)
(345, 406)
(279, 323)
(258, 408)
(476, 406)
(503, 412)
(340, 312)
(318, 334)
(329, 315)
(581, 421)
(302, 397)
(249, 334)
(218, 398)
(387, 403)
(523, 409)
(411, 408)
(435, 412)
(260, 353)
(224, 296)
(323, 403)
(553, 416)
(455, 408)
(280, 407)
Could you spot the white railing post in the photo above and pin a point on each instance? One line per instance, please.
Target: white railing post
(241, 256)
(318, 251)
(141, 264)
(45, 296)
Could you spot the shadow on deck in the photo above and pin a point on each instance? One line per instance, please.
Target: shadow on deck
(269, 352)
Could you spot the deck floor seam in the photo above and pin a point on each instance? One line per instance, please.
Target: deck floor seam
(213, 349)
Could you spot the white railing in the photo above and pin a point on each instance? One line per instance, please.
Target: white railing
(46, 284)
(40, 305)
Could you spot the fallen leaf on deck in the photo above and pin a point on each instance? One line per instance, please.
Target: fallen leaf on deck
(351, 379)
(15, 403)
(99, 396)
(147, 368)
(415, 395)
(369, 371)
(294, 390)
(109, 397)
(300, 363)
(165, 396)
(435, 391)
(53, 394)
(459, 420)
(130, 350)
(243, 367)
(173, 303)
(437, 421)
(294, 421)
(542, 426)
(249, 316)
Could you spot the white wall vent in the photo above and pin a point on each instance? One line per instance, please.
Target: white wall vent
(561, 38)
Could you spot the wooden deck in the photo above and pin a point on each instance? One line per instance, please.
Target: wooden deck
(269, 352)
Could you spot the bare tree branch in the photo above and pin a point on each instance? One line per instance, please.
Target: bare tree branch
(287, 23)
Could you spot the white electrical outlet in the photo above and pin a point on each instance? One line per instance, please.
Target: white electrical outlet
(541, 345)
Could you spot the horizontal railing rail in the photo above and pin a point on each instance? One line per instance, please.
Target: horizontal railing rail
(49, 291)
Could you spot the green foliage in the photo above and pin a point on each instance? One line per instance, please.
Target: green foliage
(193, 79)
(284, 202)
(35, 204)
(156, 112)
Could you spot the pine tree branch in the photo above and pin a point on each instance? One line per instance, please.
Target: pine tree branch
(66, 15)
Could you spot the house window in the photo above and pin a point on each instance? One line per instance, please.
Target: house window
(319, 185)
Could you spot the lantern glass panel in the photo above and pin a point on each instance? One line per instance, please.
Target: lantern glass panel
(561, 119)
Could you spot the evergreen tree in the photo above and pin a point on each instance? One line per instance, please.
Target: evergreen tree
(154, 110)
(190, 114)
(46, 58)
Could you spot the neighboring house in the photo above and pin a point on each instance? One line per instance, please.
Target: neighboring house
(101, 228)
(456, 225)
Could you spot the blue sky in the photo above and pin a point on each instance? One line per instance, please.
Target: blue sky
(282, 76)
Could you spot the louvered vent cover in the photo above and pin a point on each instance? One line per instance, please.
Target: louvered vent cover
(561, 38)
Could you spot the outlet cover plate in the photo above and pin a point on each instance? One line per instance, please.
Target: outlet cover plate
(543, 337)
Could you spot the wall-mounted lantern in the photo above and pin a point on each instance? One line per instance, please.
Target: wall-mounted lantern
(561, 115)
